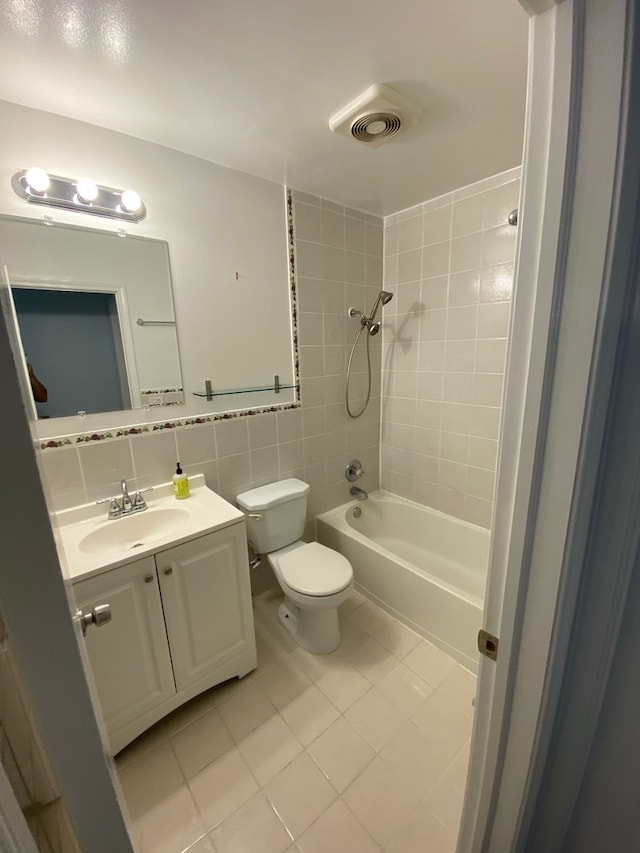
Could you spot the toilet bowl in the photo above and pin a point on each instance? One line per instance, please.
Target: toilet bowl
(315, 579)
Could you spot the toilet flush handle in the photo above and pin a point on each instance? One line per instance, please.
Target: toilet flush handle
(255, 515)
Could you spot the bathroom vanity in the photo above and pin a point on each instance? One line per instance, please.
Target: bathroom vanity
(180, 600)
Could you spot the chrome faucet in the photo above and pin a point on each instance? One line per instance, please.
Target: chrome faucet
(125, 504)
(358, 493)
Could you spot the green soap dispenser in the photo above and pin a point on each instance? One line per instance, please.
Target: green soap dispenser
(180, 484)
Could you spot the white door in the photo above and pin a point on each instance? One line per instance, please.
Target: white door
(38, 610)
(206, 597)
(566, 317)
(129, 656)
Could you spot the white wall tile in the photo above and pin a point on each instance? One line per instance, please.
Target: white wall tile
(410, 233)
(433, 293)
(493, 320)
(433, 325)
(496, 283)
(466, 252)
(436, 225)
(499, 202)
(410, 266)
(196, 444)
(450, 413)
(460, 355)
(464, 288)
(264, 465)
(498, 245)
(232, 436)
(467, 215)
(263, 431)
(310, 294)
(491, 355)
(105, 463)
(62, 471)
(308, 223)
(155, 456)
(462, 323)
(309, 259)
(333, 228)
(332, 263)
(355, 234)
(435, 259)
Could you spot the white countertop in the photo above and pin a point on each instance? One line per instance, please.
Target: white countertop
(205, 512)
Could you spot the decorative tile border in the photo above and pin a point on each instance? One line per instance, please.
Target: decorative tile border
(294, 292)
(89, 438)
(105, 435)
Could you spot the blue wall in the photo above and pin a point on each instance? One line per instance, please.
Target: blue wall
(69, 341)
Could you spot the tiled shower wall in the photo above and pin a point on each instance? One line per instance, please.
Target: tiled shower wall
(339, 264)
(449, 263)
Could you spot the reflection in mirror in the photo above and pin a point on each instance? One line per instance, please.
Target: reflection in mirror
(73, 346)
(96, 318)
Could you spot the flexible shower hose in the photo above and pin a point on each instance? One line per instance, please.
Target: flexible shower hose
(346, 396)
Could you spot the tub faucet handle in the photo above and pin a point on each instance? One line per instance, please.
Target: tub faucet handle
(354, 470)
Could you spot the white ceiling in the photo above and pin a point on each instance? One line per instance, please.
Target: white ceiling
(251, 84)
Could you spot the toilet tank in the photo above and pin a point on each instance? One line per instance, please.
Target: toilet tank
(275, 514)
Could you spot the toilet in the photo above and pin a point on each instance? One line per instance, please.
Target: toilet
(315, 579)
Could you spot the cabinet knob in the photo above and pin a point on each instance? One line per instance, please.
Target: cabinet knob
(168, 571)
(148, 579)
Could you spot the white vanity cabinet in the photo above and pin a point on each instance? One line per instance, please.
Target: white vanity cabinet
(181, 623)
(129, 656)
(205, 611)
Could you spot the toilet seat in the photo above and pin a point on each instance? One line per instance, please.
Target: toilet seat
(313, 569)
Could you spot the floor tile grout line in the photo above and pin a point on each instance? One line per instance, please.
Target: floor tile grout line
(283, 656)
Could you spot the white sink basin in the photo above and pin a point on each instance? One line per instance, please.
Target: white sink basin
(89, 543)
(133, 531)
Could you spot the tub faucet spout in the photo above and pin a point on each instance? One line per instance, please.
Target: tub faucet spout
(358, 493)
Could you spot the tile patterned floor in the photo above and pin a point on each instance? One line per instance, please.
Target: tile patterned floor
(359, 751)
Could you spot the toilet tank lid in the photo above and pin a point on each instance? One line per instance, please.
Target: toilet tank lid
(272, 494)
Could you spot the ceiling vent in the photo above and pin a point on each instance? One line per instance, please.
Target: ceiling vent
(375, 116)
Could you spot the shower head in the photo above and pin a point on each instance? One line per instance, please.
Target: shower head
(384, 296)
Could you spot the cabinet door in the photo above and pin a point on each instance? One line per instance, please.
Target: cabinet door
(130, 655)
(206, 597)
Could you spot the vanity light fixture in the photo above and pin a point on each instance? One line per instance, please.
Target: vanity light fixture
(79, 194)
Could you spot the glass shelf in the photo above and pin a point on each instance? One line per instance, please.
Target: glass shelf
(228, 391)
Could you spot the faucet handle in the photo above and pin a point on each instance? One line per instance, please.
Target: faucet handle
(138, 501)
(115, 510)
(354, 470)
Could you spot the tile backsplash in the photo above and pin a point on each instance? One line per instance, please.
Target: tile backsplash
(449, 263)
(339, 264)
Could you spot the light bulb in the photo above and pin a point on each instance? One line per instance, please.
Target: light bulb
(37, 179)
(131, 201)
(87, 189)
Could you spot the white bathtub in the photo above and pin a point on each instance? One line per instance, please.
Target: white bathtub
(426, 568)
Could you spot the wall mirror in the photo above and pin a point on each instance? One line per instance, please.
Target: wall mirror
(96, 318)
